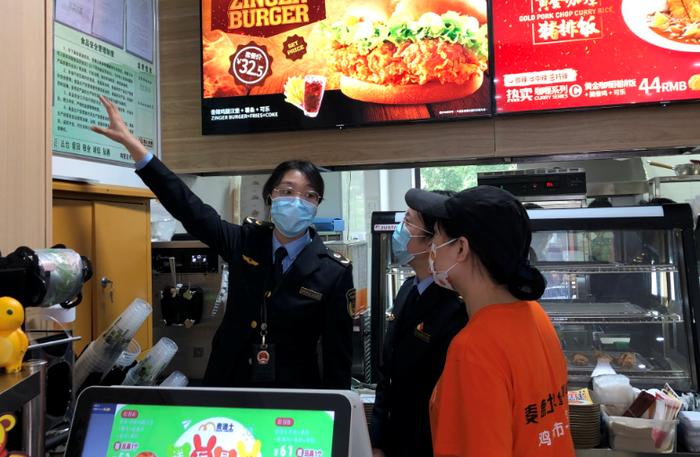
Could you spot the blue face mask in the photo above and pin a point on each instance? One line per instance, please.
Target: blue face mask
(399, 245)
(292, 215)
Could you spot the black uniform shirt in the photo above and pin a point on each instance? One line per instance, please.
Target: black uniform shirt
(309, 312)
(414, 354)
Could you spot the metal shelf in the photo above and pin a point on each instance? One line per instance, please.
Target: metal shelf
(394, 269)
(672, 179)
(16, 389)
(653, 379)
(604, 313)
(655, 183)
(588, 268)
(614, 320)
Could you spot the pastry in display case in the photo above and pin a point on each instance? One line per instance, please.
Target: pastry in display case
(622, 287)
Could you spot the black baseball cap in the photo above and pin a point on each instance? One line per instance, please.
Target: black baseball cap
(497, 227)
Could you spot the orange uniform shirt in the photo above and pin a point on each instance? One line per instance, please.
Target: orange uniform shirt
(503, 391)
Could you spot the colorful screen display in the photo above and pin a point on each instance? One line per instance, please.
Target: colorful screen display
(128, 430)
(558, 54)
(296, 64)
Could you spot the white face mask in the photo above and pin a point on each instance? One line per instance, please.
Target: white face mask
(441, 278)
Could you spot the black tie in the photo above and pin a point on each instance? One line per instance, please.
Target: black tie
(408, 312)
(277, 270)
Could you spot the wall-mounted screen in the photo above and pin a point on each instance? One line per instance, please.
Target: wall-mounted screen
(560, 54)
(300, 64)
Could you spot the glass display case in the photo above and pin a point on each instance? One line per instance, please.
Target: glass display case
(622, 285)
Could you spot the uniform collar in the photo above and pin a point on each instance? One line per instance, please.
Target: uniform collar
(293, 248)
(308, 260)
(424, 284)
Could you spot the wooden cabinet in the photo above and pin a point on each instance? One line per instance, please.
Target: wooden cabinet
(111, 226)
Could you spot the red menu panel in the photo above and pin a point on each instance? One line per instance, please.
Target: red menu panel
(558, 54)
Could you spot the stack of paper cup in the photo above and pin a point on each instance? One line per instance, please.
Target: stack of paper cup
(101, 355)
(176, 379)
(147, 370)
(129, 354)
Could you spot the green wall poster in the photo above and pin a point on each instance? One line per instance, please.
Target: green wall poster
(103, 47)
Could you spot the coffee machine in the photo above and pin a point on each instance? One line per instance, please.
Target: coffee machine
(190, 288)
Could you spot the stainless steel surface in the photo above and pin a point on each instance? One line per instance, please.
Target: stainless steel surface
(592, 268)
(610, 177)
(173, 272)
(655, 183)
(571, 312)
(54, 343)
(34, 412)
(675, 179)
(16, 389)
(178, 244)
(535, 171)
(194, 341)
(563, 198)
(612, 189)
(684, 169)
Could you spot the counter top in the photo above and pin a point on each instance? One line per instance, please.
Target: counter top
(16, 389)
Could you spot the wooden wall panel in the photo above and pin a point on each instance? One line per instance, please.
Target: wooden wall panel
(187, 151)
(25, 124)
(620, 129)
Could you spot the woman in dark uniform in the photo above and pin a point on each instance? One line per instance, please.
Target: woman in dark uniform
(426, 317)
(287, 291)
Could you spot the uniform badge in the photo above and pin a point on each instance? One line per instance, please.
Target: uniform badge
(263, 357)
(420, 334)
(351, 298)
(311, 294)
(250, 261)
(339, 257)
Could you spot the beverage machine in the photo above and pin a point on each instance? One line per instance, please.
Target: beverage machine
(190, 288)
(386, 279)
(356, 251)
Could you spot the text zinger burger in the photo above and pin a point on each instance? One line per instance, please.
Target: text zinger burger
(426, 51)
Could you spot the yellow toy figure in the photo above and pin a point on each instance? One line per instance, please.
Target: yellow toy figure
(7, 423)
(13, 341)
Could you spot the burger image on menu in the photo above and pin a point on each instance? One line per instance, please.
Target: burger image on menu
(411, 51)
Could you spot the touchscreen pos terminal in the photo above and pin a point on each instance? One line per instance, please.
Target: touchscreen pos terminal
(207, 422)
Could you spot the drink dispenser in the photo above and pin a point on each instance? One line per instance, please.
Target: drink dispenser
(189, 300)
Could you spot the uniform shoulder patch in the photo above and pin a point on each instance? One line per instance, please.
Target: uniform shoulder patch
(258, 223)
(341, 259)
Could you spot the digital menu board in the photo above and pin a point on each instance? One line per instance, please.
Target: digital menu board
(559, 54)
(297, 64)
